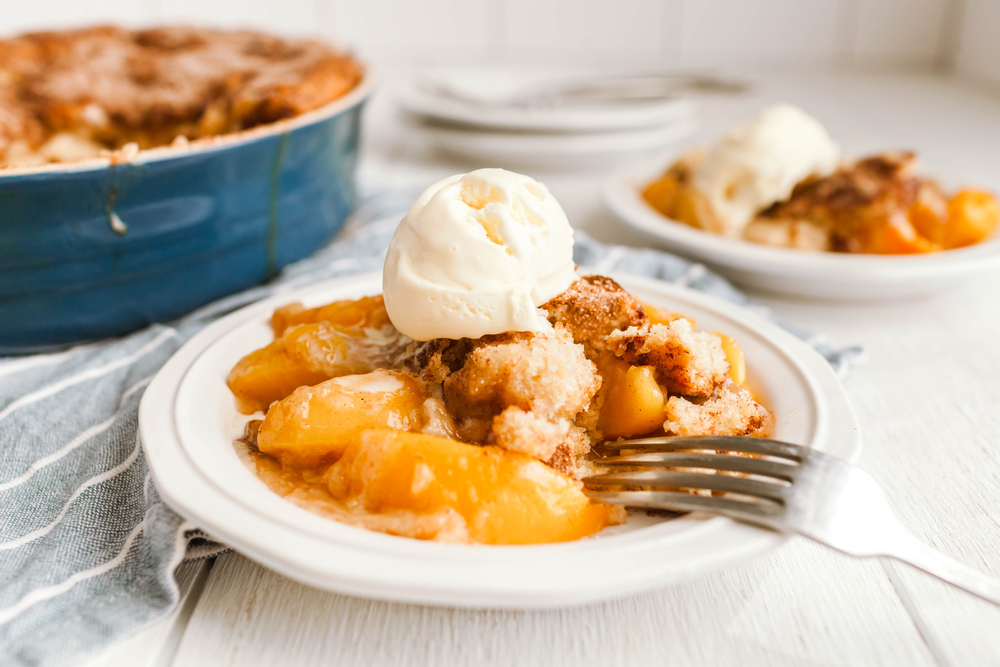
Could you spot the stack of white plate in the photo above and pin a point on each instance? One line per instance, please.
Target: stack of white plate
(508, 118)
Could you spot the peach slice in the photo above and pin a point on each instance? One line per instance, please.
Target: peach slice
(663, 316)
(267, 375)
(972, 215)
(893, 236)
(662, 194)
(633, 401)
(306, 354)
(505, 497)
(368, 311)
(314, 425)
(737, 362)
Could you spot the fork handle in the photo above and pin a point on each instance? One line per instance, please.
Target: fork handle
(914, 552)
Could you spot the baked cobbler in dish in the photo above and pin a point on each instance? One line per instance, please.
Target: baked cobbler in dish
(376, 419)
(779, 180)
(70, 95)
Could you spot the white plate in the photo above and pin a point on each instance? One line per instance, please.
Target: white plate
(551, 149)
(813, 274)
(187, 422)
(478, 100)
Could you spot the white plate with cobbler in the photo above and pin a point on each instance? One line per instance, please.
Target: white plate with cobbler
(774, 205)
(316, 516)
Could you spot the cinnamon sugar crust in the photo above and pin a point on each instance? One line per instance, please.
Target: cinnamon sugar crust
(433, 360)
(563, 460)
(107, 86)
(686, 362)
(559, 443)
(881, 182)
(544, 374)
(520, 431)
(731, 410)
(521, 391)
(539, 393)
(592, 308)
(865, 194)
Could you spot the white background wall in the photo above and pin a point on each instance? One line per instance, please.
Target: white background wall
(760, 34)
(978, 49)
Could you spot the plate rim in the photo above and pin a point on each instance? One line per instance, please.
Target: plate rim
(159, 435)
(414, 99)
(516, 146)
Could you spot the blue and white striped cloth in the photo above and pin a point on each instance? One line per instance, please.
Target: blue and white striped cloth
(87, 548)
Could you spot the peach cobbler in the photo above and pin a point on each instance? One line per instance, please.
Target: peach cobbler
(479, 439)
(780, 180)
(72, 94)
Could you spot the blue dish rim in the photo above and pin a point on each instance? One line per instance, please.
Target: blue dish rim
(352, 98)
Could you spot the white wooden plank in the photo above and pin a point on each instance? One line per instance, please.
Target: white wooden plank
(800, 605)
(979, 48)
(155, 644)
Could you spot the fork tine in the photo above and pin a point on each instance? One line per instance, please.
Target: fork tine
(726, 462)
(729, 443)
(686, 502)
(682, 480)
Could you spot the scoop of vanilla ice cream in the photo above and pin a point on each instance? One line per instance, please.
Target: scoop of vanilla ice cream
(759, 162)
(476, 255)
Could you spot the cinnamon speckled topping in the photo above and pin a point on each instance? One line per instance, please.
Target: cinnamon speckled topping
(110, 86)
(592, 308)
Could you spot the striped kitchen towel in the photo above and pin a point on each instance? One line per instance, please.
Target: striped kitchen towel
(87, 548)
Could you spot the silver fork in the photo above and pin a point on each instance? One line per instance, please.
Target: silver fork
(793, 489)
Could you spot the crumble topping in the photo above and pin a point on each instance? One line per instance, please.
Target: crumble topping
(106, 87)
(864, 194)
(731, 410)
(592, 308)
(687, 362)
(523, 391)
(547, 374)
(543, 395)
(520, 431)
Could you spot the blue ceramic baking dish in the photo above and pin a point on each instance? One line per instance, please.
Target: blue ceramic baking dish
(96, 249)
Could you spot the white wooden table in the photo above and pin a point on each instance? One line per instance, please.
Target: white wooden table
(928, 400)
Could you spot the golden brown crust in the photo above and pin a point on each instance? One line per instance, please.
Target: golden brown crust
(17, 123)
(520, 431)
(867, 193)
(874, 205)
(545, 374)
(434, 360)
(729, 411)
(562, 459)
(592, 308)
(114, 86)
(521, 391)
(687, 362)
(539, 393)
